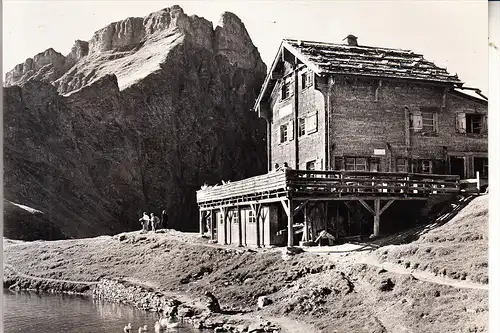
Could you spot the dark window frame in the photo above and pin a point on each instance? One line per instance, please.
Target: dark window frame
(283, 133)
(302, 127)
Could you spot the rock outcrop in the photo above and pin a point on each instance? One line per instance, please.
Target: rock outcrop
(134, 120)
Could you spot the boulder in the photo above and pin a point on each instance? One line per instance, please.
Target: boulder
(263, 301)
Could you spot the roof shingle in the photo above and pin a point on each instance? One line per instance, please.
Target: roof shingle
(370, 61)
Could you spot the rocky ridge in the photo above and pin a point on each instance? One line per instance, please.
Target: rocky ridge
(136, 119)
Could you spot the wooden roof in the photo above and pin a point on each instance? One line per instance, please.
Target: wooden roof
(369, 61)
(329, 58)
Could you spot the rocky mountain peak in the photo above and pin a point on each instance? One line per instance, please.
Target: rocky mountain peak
(233, 42)
(134, 120)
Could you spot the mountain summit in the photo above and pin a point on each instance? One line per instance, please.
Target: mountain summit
(134, 120)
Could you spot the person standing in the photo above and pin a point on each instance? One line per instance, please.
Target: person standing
(164, 219)
(144, 222)
(154, 220)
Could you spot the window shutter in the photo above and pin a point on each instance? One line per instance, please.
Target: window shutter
(484, 127)
(312, 123)
(290, 130)
(417, 121)
(461, 122)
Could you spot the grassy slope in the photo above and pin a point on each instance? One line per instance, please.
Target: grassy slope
(458, 249)
(329, 293)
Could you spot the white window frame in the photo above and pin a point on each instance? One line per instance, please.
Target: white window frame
(251, 217)
(358, 162)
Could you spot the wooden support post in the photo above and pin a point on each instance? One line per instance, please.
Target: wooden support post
(325, 215)
(212, 224)
(478, 179)
(305, 235)
(256, 210)
(290, 222)
(285, 206)
(376, 218)
(202, 229)
(388, 203)
(257, 224)
(240, 233)
(299, 207)
(337, 221)
(367, 206)
(224, 224)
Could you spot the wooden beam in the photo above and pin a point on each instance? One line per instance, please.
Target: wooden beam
(240, 233)
(376, 218)
(351, 198)
(299, 207)
(388, 203)
(290, 223)
(224, 222)
(202, 229)
(257, 224)
(367, 206)
(349, 206)
(285, 206)
(305, 234)
(212, 224)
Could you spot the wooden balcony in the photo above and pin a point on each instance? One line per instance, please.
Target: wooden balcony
(328, 185)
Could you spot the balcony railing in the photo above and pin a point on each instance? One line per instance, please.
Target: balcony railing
(370, 183)
(334, 184)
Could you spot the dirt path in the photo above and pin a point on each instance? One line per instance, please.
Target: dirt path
(26, 276)
(287, 325)
(418, 274)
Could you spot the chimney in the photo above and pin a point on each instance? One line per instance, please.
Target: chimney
(351, 40)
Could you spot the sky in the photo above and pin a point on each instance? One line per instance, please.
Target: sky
(453, 34)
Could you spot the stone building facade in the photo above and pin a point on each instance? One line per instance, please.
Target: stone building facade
(351, 107)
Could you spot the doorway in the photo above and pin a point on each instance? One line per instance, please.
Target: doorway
(457, 166)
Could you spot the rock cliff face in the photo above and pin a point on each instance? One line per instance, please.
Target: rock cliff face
(134, 120)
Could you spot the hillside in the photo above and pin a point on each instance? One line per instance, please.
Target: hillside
(347, 292)
(135, 119)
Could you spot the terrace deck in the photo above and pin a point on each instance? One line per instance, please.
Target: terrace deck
(327, 185)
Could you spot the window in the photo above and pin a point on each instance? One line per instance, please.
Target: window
(421, 166)
(356, 163)
(311, 123)
(428, 122)
(338, 163)
(251, 216)
(221, 220)
(481, 165)
(235, 217)
(283, 133)
(306, 79)
(302, 127)
(423, 121)
(415, 121)
(310, 165)
(426, 166)
(374, 164)
(401, 165)
(473, 123)
(286, 88)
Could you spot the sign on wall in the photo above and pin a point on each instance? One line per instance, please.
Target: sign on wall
(285, 111)
(378, 151)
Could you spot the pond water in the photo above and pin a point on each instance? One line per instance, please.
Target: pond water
(43, 313)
